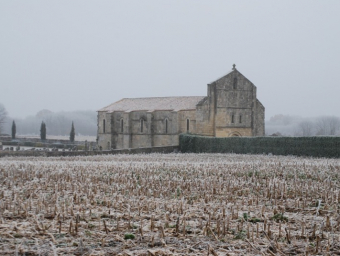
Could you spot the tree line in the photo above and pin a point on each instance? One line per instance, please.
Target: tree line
(43, 131)
(57, 123)
(286, 125)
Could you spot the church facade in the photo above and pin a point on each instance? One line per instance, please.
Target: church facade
(231, 108)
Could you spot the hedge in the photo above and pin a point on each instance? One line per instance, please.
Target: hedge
(299, 146)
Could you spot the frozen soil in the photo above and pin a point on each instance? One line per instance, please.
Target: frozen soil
(170, 204)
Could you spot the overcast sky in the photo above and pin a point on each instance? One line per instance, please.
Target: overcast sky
(84, 55)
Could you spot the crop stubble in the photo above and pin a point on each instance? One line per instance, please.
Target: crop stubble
(170, 204)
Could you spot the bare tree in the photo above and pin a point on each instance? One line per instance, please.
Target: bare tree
(306, 128)
(3, 117)
(328, 125)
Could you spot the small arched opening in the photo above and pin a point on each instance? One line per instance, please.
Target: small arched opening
(141, 125)
(235, 134)
(121, 125)
(235, 83)
(166, 125)
(232, 118)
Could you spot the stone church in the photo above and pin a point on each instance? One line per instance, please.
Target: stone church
(231, 108)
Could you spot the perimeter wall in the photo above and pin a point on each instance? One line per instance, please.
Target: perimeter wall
(165, 150)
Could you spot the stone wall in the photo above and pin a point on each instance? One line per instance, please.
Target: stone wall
(187, 119)
(260, 115)
(21, 141)
(104, 133)
(205, 113)
(160, 128)
(231, 132)
(167, 149)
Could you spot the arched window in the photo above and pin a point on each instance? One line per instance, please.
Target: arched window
(232, 119)
(235, 83)
(188, 125)
(141, 125)
(166, 125)
(121, 125)
(104, 126)
(240, 118)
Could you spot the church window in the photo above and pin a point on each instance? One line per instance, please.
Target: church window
(104, 126)
(232, 119)
(240, 118)
(235, 83)
(121, 125)
(141, 125)
(166, 125)
(188, 125)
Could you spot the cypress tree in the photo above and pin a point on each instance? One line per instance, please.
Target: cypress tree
(72, 133)
(43, 131)
(14, 130)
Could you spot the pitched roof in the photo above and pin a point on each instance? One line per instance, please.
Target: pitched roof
(154, 103)
(223, 76)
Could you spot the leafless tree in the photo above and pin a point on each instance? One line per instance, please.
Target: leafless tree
(328, 125)
(3, 116)
(306, 128)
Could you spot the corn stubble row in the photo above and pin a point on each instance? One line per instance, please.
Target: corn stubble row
(174, 204)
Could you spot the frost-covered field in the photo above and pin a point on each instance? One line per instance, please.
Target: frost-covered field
(174, 204)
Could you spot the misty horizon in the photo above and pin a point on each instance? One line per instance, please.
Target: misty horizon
(82, 55)
(59, 123)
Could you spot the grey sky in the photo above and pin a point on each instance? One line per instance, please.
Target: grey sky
(73, 55)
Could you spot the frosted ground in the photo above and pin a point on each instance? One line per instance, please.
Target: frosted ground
(170, 204)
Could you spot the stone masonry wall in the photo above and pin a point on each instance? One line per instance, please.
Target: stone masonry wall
(234, 106)
(184, 117)
(160, 128)
(104, 135)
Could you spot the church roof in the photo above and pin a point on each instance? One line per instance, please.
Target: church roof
(154, 103)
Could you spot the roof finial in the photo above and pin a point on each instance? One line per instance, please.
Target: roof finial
(234, 66)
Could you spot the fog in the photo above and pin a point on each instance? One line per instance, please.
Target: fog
(285, 125)
(58, 123)
(81, 55)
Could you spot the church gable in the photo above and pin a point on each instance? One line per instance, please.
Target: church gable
(234, 80)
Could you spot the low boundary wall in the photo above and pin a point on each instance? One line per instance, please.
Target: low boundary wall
(168, 149)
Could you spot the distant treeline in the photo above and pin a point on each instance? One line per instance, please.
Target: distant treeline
(58, 123)
(285, 125)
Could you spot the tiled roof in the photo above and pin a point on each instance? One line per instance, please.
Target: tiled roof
(152, 104)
